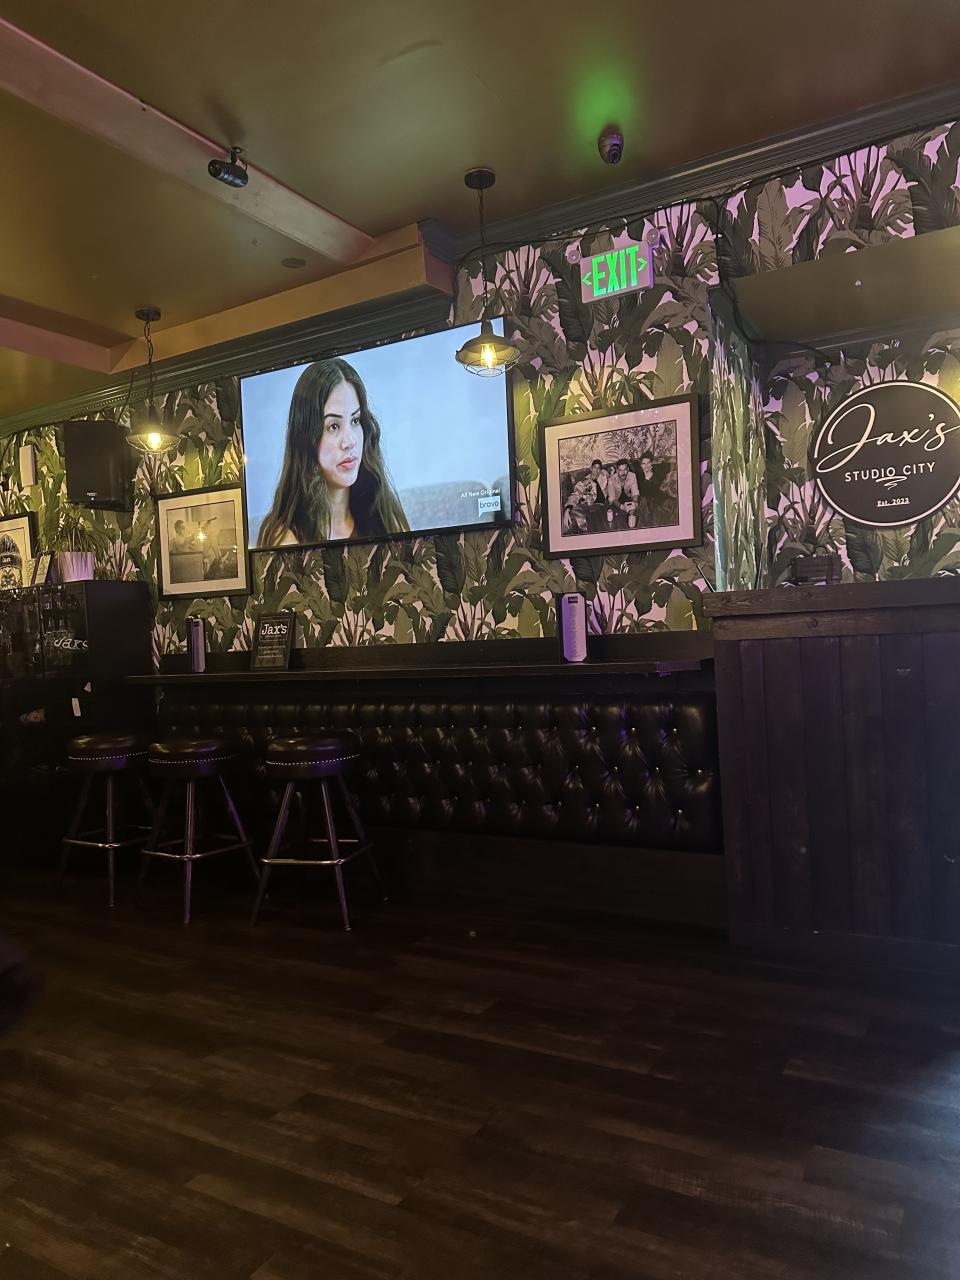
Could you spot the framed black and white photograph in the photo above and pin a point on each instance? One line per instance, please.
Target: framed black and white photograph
(621, 480)
(18, 536)
(202, 543)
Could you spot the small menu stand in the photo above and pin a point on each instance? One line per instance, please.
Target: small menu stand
(273, 642)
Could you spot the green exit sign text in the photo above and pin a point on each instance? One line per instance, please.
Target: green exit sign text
(622, 270)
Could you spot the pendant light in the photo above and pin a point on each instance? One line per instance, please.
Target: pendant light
(150, 435)
(487, 354)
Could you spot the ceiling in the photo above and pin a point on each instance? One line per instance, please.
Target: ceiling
(373, 110)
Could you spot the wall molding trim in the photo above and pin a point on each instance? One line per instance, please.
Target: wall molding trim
(727, 170)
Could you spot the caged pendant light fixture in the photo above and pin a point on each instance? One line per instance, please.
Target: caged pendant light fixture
(150, 434)
(487, 354)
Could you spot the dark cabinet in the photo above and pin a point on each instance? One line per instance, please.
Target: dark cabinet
(839, 728)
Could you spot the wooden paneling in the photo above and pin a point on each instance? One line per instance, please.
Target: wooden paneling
(854, 623)
(941, 653)
(842, 597)
(824, 766)
(757, 778)
(864, 781)
(790, 846)
(905, 784)
(844, 805)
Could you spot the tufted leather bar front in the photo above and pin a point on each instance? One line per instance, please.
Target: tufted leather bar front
(637, 770)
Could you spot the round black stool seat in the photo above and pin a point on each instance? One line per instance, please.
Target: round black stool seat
(190, 757)
(104, 752)
(310, 756)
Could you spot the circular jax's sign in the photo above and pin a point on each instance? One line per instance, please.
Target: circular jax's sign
(890, 454)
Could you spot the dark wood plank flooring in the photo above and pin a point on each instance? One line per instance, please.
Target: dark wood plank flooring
(451, 1094)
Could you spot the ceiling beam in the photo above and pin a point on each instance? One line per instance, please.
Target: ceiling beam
(39, 75)
(16, 335)
(407, 266)
(378, 298)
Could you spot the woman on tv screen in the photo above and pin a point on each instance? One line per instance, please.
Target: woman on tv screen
(333, 482)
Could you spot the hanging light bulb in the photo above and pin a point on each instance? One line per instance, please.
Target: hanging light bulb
(487, 355)
(150, 434)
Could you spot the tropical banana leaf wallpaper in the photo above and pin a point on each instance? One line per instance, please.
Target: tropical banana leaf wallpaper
(907, 187)
(580, 357)
(739, 457)
(760, 506)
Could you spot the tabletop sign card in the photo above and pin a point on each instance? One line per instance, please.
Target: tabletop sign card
(273, 642)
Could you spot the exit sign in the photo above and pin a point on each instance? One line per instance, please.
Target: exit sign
(623, 270)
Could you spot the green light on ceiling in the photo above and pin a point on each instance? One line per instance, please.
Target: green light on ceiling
(603, 95)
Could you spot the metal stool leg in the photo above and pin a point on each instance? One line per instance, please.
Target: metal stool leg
(275, 842)
(241, 832)
(335, 852)
(187, 888)
(111, 837)
(74, 828)
(159, 818)
(149, 808)
(261, 894)
(189, 847)
(302, 816)
(362, 836)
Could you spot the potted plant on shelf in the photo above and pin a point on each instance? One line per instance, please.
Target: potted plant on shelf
(76, 544)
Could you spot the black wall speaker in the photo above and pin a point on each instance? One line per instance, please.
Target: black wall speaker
(98, 464)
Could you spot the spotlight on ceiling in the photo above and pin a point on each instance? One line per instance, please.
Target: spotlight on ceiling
(233, 171)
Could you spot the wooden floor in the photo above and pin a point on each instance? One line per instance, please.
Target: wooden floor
(445, 1094)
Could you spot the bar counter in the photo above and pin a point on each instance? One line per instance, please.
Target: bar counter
(838, 712)
(492, 767)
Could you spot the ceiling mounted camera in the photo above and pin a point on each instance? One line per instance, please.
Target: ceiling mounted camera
(233, 172)
(610, 145)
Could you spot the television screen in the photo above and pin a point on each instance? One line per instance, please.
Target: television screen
(393, 440)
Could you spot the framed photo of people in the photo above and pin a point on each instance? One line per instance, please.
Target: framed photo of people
(202, 538)
(621, 480)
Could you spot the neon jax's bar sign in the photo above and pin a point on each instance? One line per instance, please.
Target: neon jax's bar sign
(625, 269)
(890, 454)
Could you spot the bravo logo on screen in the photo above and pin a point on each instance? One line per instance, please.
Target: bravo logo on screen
(626, 269)
(890, 454)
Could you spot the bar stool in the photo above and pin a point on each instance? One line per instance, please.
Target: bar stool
(102, 755)
(296, 760)
(192, 761)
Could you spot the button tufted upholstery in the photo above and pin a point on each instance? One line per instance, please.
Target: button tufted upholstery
(104, 752)
(310, 756)
(189, 756)
(636, 770)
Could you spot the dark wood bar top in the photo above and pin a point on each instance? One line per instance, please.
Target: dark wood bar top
(651, 654)
(905, 593)
(371, 674)
(901, 606)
